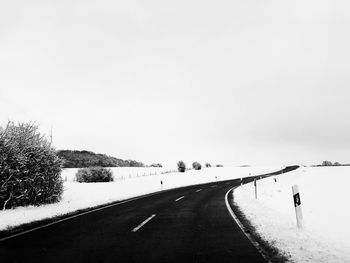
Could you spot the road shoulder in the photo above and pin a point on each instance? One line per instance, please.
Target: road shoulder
(269, 251)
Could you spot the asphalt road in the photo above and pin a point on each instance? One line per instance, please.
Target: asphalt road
(190, 224)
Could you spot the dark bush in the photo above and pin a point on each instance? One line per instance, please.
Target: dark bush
(207, 165)
(327, 163)
(181, 166)
(94, 175)
(156, 165)
(197, 166)
(29, 167)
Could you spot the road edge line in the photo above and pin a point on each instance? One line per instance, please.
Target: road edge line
(235, 218)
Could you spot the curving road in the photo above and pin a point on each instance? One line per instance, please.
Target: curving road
(190, 224)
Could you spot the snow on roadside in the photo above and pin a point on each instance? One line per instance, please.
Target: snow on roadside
(325, 200)
(84, 195)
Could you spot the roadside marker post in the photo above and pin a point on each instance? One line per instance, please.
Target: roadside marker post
(256, 191)
(241, 181)
(297, 205)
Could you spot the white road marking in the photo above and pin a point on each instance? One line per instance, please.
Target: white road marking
(198, 190)
(143, 223)
(179, 198)
(213, 186)
(246, 233)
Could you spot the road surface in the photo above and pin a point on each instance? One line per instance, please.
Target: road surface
(189, 224)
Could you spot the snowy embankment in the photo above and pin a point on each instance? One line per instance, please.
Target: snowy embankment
(325, 199)
(129, 182)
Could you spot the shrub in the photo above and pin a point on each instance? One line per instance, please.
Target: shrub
(94, 175)
(207, 165)
(29, 167)
(156, 165)
(327, 163)
(181, 166)
(197, 166)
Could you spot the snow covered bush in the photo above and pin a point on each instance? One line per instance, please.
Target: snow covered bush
(29, 167)
(181, 166)
(197, 166)
(94, 174)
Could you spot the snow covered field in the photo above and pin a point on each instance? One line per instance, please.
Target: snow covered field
(130, 182)
(122, 173)
(325, 199)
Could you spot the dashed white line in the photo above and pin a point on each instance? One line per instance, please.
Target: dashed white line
(198, 190)
(143, 223)
(179, 198)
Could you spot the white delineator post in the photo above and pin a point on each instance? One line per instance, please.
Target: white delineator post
(297, 205)
(256, 192)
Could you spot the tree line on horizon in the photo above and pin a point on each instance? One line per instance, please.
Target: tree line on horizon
(329, 163)
(80, 159)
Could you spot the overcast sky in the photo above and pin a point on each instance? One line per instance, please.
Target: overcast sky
(233, 82)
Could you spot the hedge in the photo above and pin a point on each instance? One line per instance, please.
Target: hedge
(29, 167)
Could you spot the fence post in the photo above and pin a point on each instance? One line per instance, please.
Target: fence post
(297, 205)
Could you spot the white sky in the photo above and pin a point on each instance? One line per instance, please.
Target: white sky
(233, 82)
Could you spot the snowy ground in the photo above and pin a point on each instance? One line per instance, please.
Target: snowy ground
(122, 173)
(129, 182)
(325, 199)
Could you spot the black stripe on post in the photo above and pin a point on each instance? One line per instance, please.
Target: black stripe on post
(297, 201)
